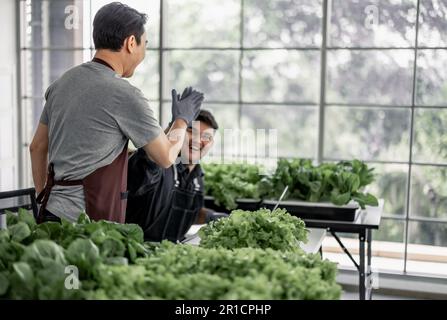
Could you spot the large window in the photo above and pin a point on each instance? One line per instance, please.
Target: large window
(338, 79)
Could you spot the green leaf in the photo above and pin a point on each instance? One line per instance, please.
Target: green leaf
(116, 261)
(4, 283)
(27, 217)
(112, 247)
(43, 252)
(365, 199)
(53, 230)
(84, 254)
(131, 231)
(11, 218)
(341, 199)
(4, 235)
(10, 252)
(84, 219)
(354, 183)
(22, 281)
(51, 283)
(19, 231)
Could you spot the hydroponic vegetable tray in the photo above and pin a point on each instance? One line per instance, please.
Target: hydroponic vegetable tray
(317, 210)
(242, 204)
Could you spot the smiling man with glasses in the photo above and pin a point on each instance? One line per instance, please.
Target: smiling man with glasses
(166, 202)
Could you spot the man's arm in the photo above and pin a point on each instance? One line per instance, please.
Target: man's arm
(39, 156)
(164, 149)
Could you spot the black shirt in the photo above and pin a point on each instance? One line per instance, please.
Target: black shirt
(150, 188)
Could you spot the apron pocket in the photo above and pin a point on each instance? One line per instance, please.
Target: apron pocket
(178, 223)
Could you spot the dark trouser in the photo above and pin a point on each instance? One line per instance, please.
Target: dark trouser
(49, 217)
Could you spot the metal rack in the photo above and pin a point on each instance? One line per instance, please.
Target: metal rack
(367, 221)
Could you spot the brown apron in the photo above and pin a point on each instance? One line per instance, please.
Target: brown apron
(105, 190)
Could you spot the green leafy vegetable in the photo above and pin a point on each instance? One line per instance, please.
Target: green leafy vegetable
(252, 255)
(84, 254)
(19, 231)
(338, 183)
(42, 253)
(260, 229)
(22, 281)
(229, 182)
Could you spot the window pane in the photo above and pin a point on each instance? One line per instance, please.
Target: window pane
(43, 67)
(391, 185)
(213, 72)
(296, 127)
(388, 246)
(8, 175)
(282, 23)
(426, 248)
(146, 77)
(227, 118)
(149, 7)
(430, 132)
(226, 115)
(390, 230)
(7, 146)
(63, 23)
(31, 112)
(431, 77)
(198, 23)
(428, 233)
(383, 23)
(367, 133)
(379, 77)
(429, 192)
(433, 23)
(281, 76)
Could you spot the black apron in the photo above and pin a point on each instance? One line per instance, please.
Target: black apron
(173, 224)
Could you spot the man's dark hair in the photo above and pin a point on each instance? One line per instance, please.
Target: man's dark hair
(208, 118)
(115, 22)
(204, 116)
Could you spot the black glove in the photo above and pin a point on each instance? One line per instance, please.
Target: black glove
(185, 93)
(187, 107)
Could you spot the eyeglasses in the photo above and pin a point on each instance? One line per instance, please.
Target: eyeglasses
(205, 137)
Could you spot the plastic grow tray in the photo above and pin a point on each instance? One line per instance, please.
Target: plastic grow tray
(242, 204)
(317, 210)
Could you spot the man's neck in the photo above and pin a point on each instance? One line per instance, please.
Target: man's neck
(112, 59)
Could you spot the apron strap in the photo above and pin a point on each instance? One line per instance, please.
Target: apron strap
(176, 180)
(44, 195)
(196, 184)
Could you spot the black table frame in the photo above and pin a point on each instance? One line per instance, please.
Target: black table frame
(364, 232)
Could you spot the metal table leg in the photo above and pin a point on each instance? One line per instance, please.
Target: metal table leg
(369, 270)
(362, 289)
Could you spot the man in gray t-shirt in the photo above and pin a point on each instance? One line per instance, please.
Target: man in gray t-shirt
(91, 112)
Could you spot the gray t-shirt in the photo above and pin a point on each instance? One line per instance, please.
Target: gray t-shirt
(91, 112)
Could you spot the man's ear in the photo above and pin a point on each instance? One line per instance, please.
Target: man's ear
(130, 43)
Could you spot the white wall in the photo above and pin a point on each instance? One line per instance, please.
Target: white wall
(8, 97)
